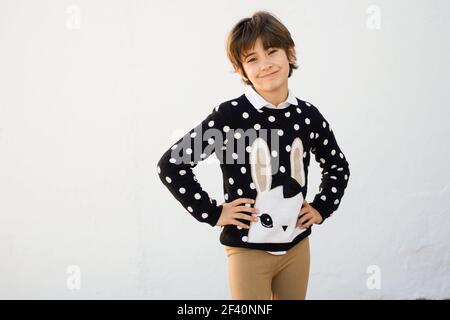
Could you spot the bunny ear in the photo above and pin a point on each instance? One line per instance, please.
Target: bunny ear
(260, 165)
(297, 171)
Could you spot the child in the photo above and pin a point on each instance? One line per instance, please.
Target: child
(262, 140)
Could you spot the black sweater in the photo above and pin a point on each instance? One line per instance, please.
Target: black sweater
(244, 139)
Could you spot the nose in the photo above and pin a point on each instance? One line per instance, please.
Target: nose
(284, 228)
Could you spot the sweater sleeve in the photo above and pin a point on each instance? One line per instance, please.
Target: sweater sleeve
(176, 164)
(334, 165)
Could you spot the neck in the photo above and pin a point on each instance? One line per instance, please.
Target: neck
(274, 97)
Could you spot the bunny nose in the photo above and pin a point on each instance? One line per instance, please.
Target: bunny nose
(284, 228)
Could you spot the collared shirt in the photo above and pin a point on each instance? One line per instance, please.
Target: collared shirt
(258, 102)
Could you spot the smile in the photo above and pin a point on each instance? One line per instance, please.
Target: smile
(270, 75)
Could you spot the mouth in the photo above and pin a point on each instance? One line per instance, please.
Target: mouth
(270, 75)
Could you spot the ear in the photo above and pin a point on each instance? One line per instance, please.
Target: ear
(260, 165)
(297, 171)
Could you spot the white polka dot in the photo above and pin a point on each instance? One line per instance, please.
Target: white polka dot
(243, 170)
(182, 172)
(245, 238)
(333, 152)
(193, 134)
(226, 129)
(239, 227)
(197, 196)
(325, 142)
(252, 186)
(334, 190)
(307, 104)
(190, 209)
(158, 169)
(307, 121)
(245, 115)
(173, 147)
(317, 135)
(341, 155)
(345, 177)
(211, 123)
(248, 149)
(225, 141)
(210, 140)
(226, 196)
(288, 148)
(271, 118)
(324, 124)
(239, 192)
(299, 111)
(237, 135)
(230, 180)
(217, 108)
(172, 160)
(340, 169)
(304, 154)
(282, 169)
(333, 166)
(311, 135)
(322, 160)
(168, 180)
(204, 215)
(234, 155)
(257, 126)
(336, 201)
(323, 198)
(203, 155)
(287, 114)
(296, 127)
(234, 103)
(274, 153)
(182, 190)
(188, 151)
(280, 132)
(333, 177)
(195, 178)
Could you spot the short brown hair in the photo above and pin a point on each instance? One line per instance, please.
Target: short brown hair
(244, 34)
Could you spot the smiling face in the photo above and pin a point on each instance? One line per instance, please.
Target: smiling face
(267, 69)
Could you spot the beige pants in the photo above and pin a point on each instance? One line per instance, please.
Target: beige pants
(259, 275)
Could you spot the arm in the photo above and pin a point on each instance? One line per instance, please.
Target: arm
(176, 164)
(335, 168)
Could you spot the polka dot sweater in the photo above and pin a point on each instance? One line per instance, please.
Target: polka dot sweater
(264, 154)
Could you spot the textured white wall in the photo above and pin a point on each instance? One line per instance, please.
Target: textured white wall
(93, 92)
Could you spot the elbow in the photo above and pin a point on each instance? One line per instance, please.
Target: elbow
(163, 165)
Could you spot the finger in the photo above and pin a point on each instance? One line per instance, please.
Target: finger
(241, 224)
(246, 209)
(307, 224)
(242, 200)
(302, 219)
(305, 209)
(303, 225)
(244, 216)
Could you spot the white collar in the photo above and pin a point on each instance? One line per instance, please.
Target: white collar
(258, 102)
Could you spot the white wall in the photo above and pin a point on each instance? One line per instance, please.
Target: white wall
(87, 110)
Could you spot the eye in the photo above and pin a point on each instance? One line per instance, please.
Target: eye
(266, 220)
(275, 50)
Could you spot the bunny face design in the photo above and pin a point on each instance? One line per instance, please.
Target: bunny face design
(279, 207)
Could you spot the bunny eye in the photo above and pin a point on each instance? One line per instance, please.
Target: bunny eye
(266, 220)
